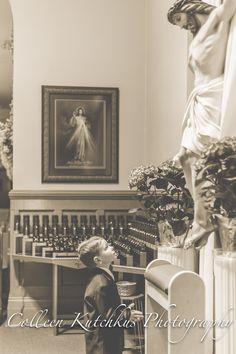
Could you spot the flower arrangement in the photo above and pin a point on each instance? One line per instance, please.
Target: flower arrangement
(217, 166)
(163, 194)
(141, 177)
(6, 144)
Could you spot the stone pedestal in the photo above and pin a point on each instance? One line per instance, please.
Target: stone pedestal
(225, 303)
(188, 259)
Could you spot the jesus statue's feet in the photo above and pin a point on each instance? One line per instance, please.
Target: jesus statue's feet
(198, 237)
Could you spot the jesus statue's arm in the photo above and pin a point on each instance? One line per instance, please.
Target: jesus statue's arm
(221, 14)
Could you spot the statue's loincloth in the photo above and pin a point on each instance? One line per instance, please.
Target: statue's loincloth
(202, 119)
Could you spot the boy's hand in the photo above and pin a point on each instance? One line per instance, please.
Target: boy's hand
(136, 315)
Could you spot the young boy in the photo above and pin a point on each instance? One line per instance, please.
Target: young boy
(102, 300)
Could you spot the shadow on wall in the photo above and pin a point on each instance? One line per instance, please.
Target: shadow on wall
(6, 78)
(5, 186)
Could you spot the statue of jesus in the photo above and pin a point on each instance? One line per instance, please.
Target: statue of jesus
(202, 120)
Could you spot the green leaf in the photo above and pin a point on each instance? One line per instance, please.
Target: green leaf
(161, 183)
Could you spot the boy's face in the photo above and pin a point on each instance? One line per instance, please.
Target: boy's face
(106, 255)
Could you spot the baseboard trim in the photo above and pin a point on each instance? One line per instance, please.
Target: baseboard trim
(71, 194)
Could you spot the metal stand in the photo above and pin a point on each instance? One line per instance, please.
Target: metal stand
(139, 328)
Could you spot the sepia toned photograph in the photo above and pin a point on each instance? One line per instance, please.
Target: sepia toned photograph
(117, 177)
(80, 134)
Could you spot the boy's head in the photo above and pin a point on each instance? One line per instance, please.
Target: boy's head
(96, 252)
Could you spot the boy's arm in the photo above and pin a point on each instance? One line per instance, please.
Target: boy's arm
(102, 300)
(107, 309)
(121, 312)
(101, 305)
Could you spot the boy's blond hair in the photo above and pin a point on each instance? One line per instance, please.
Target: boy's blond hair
(89, 249)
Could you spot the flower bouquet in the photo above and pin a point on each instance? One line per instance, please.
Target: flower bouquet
(217, 169)
(165, 199)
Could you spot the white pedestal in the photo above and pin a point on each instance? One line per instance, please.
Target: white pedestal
(206, 271)
(172, 293)
(187, 259)
(225, 303)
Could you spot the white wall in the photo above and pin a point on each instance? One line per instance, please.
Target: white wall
(77, 43)
(166, 83)
(122, 43)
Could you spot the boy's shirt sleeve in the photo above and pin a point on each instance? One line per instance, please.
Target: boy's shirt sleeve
(101, 304)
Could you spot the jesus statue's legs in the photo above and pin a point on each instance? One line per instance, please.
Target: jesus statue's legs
(202, 226)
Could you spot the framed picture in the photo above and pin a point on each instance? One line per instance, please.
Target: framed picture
(80, 134)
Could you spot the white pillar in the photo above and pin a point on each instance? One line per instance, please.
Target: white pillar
(225, 303)
(206, 273)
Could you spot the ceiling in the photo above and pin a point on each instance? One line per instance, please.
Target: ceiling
(5, 55)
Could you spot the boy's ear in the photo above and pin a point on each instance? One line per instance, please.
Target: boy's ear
(97, 260)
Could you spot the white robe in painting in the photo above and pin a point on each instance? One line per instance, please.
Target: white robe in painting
(82, 139)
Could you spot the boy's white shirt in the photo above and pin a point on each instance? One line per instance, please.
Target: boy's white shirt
(108, 271)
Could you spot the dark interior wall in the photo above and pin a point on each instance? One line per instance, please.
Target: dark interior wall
(4, 189)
